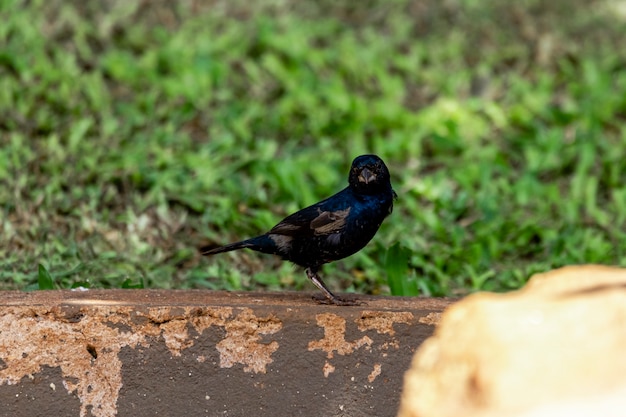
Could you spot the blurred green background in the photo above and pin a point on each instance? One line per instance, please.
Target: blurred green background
(132, 132)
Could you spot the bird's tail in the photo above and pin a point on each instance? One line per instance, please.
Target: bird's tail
(209, 250)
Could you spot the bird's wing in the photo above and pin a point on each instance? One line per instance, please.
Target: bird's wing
(312, 221)
(330, 221)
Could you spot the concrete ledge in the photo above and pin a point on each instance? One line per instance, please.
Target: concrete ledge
(202, 353)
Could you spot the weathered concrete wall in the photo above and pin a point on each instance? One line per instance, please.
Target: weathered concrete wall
(200, 353)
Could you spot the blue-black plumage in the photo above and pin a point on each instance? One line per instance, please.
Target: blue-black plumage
(332, 229)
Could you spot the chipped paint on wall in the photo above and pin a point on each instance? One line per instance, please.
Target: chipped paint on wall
(241, 344)
(327, 369)
(36, 337)
(431, 319)
(334, 339)
(84, 339)
(86, 344)
(377, 370)
(334, 336)
(383, 321)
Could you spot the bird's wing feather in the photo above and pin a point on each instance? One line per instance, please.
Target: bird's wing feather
(329, 221)
(312, 221)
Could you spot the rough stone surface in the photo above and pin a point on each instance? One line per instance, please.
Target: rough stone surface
(199, 353)
(555, 348)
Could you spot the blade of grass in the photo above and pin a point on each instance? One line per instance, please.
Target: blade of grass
(44, 279)
(397, 269)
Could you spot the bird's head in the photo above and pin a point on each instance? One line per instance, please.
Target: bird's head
(369, 175)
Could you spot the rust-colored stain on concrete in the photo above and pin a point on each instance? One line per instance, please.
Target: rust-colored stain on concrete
(86, 346)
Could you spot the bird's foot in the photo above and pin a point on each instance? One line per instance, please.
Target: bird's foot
(338, 301)
(329, 297)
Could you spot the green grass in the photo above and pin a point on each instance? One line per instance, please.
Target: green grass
(133, 132)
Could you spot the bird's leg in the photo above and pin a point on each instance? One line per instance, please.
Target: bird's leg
(317, 280)
(332, 298)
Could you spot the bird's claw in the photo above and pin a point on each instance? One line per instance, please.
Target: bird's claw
(338, 301)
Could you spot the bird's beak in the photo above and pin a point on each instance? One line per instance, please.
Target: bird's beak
(367, 176)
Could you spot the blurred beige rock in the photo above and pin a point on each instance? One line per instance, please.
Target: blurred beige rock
(557, 347)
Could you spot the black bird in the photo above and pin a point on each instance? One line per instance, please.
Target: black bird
(332, 229)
